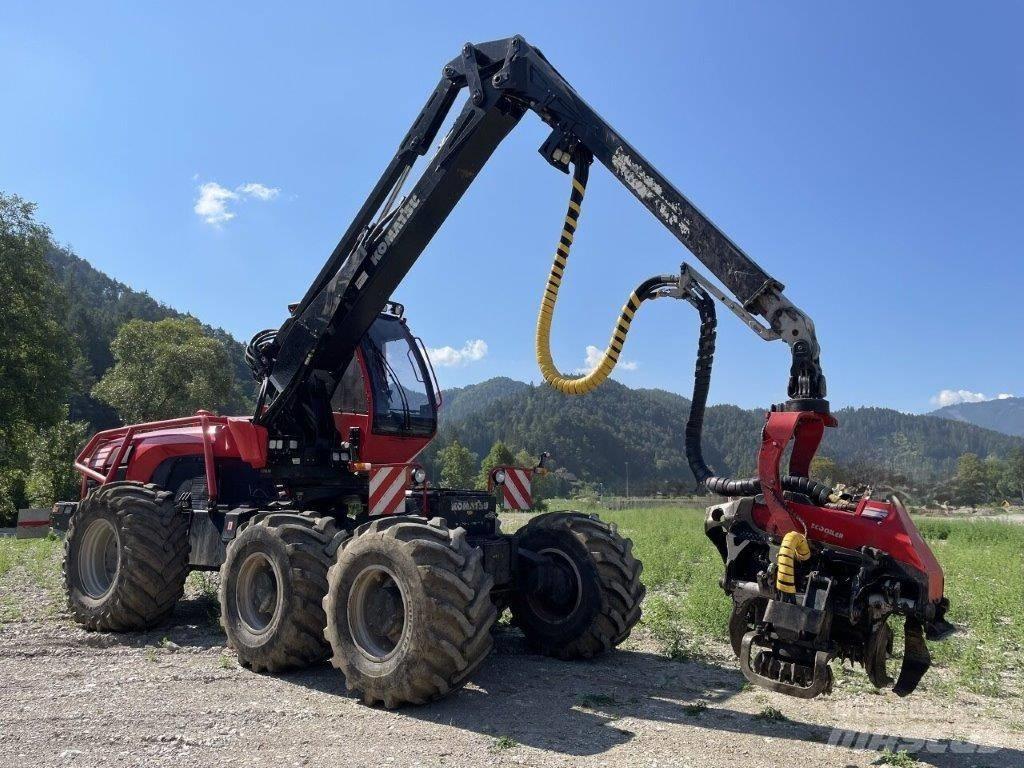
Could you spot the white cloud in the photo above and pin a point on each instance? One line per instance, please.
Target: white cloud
(595, 355)
(449, 357)
(212, 204)
(956, 396)
(259, 191)
(213, 201)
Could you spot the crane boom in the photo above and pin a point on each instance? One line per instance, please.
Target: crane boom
(504, 79)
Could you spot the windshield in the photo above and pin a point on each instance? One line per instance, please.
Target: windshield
(403, 398)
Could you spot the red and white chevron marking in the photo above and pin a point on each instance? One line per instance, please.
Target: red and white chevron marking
(387, 489)
(515, 491)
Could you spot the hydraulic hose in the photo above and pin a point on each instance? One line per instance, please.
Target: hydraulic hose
(723, 486)
(580, 385)
(794, 547)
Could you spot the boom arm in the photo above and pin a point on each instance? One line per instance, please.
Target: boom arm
(505, 79)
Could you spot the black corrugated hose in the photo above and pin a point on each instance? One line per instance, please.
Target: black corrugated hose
(723, 486)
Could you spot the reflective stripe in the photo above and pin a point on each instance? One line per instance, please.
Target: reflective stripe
(516, 489)
(387, 489)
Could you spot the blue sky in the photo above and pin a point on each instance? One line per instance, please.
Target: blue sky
(868, 155)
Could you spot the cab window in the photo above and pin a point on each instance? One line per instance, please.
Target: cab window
(350, 394)
(403, 398)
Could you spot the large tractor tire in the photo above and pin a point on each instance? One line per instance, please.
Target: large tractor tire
(125, 557)
(408, 611)
(601, 609)
(272, 585)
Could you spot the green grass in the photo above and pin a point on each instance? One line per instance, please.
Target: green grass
(685, 606)
(771, 714)
(984, 565)
(502, 743)
(901, 759)
(40, 560)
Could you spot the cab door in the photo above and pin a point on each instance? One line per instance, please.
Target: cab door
(387, 391)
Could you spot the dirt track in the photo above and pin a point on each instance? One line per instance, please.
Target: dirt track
(75, 698)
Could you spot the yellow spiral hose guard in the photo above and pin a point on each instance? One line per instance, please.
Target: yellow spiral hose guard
(582, 384)
(794, 547)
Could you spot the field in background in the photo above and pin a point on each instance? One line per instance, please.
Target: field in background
(686, 612)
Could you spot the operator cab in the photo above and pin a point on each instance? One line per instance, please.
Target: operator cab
(388, 391)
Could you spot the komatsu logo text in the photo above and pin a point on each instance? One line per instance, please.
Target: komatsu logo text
(401, 219)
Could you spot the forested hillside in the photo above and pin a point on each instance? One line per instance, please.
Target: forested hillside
(1004, 414)
(462, 402)
(594, 437)
(95, 308)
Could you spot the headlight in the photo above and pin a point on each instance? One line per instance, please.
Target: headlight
(499, 476)
(419, 475)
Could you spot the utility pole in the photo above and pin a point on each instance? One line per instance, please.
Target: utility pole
(627, 479)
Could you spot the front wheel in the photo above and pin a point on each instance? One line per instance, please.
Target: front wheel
(125, 557)
(601, 603)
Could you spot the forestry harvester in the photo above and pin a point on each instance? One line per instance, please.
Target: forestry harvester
(329, 540)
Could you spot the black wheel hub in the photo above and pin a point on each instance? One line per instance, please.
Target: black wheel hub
(555, 588)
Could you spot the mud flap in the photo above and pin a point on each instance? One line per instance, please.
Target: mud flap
(916, 659)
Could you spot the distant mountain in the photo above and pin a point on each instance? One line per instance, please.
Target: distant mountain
(461, 402)
(97, 306)
(1006, 415)
(594, 436)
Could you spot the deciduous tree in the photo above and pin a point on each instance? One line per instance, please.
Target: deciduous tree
(457, 464)
(165, 369)
(34, 351)
(51, 476)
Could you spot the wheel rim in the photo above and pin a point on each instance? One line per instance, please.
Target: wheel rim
(99, 558)
(258, 592)
(554, 611)
(376, 612)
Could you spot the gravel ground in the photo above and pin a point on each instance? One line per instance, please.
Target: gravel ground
(176, 697)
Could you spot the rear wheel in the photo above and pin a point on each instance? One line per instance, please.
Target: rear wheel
(600, 603)
(408, 611)
(272, 584)
(125, 557)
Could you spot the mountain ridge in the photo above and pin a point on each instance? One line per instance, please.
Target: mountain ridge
(1004, 415)
(594, 436)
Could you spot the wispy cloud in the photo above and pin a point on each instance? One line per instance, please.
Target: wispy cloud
(214, 201)
(259, 191)
(957, 396)
(594, 356)
(449, 357)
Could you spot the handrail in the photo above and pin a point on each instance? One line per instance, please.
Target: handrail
(202, 419)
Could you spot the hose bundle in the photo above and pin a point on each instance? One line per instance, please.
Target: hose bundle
(580, 385)
(259, 353)
(723, 486)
